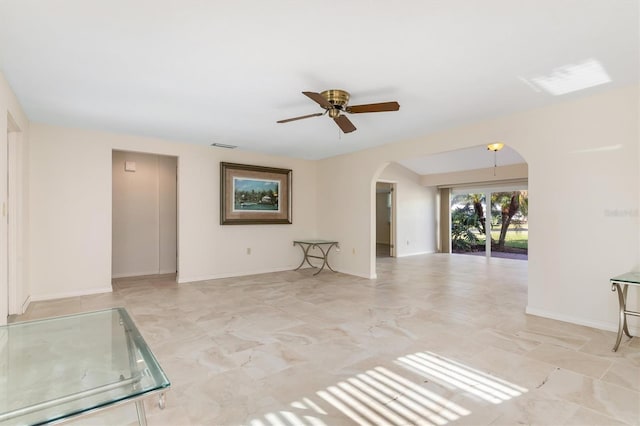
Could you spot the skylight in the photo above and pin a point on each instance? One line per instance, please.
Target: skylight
(571, 78)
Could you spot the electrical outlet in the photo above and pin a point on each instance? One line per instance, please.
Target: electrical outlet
(407, 242)
(248, 250)
(353, 251)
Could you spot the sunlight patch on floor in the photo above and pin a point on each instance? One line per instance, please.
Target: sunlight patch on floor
(381, 397)
(452, 375)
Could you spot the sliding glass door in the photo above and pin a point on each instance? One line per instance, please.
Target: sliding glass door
(498, 228)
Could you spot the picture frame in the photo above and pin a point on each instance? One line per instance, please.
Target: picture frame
(254, 195)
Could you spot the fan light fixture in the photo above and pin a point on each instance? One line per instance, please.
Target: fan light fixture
(495, 147)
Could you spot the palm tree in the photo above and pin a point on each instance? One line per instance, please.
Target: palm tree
(467, 220)
(510, 203)
(477, 206)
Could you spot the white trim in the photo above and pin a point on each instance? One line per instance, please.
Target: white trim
(393, 226)
(416, 253)
(371, 276)
(86, 292)
(25, 305)
(139, 274)
(182, 280)
(13, 228)
(600, 325)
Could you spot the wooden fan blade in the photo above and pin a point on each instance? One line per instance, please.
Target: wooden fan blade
(317, 114)
(380, 107)
(344, 123)
(317, 97)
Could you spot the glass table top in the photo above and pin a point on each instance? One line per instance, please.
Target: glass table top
(629, 278)
(56, 368)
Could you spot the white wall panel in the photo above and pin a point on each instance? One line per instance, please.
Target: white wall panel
(71, 216)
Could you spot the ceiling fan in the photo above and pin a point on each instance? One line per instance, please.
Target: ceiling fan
(335, 102)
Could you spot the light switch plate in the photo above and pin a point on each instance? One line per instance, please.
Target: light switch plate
(129, 166)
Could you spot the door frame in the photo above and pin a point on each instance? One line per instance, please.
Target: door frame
(393, 223)
(486, 191)
(10, 168)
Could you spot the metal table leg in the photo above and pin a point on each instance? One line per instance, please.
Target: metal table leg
(142, 417)
(622, 313)
(307, 247)
(305, 255)
(325, 259)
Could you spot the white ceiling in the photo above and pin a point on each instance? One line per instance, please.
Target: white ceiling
(477, 157)
(224, 71)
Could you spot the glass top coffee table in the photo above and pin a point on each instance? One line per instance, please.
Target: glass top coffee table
(57, 369)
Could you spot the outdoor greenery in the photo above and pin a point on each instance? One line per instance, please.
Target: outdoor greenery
(514, 239)
(509, 212)
(464, 229)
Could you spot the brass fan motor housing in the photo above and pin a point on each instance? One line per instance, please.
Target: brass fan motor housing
(336, 97)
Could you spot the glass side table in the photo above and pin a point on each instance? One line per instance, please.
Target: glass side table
(57, 369)
(620, 284)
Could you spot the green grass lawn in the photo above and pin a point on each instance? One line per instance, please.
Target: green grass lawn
(516, 239)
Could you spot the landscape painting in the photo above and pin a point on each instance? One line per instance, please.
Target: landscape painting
(253, 195)
(257, 195)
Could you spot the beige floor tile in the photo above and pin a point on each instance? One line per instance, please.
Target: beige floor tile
(609, 400)
(589, 365)
(586, 417)
(435, 339)
(625, 373)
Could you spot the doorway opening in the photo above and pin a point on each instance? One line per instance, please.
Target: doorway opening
(490, 222)
(385, 218)
(144, 214)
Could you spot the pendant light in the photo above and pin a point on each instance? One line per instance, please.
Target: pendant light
(495, 147)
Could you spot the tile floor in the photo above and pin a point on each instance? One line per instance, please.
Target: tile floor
(435, 340)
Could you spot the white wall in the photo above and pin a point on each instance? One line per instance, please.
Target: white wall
(17, 144)
(144, 215)
(168, 214)
(582, 157)
(415, 211)
(383, 227)
(71, 212)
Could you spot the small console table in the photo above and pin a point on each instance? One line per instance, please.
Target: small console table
(323, 245)
(621, 284)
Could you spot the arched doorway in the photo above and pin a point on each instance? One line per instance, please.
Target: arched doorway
(423, 219)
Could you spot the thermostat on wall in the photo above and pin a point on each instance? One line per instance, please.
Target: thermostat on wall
(129, 166)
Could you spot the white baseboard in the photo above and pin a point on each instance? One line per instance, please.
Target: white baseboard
(85, 292)
(357, 274)
(182, 280)
(600, 325)
(25, 305)
(416, 253)
(135, 274)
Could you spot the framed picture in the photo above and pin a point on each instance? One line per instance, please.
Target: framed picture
(253, 195)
